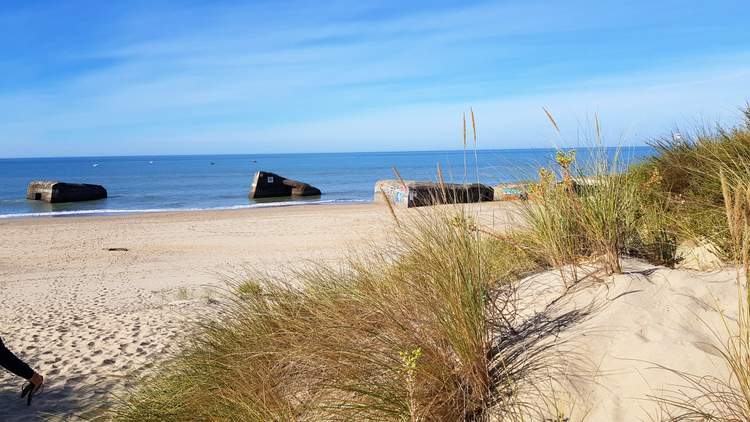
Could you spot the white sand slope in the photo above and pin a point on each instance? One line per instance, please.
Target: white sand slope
(630, 326)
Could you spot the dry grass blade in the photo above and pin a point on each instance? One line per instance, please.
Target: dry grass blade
(441, 184)
(466, 166)
(551, 119)
(398, 176)
(391, 210)
(464, 129)
(473, 127)
(598, 129)
(726, 192)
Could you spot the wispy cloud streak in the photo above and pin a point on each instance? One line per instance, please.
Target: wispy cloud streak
(283, 77)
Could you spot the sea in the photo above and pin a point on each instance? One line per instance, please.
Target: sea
(141, 184)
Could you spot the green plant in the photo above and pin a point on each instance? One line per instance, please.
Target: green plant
(565, 160)
(182, 293)
(408, 366)
(249, 288)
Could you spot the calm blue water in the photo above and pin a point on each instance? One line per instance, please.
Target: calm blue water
(143, 184)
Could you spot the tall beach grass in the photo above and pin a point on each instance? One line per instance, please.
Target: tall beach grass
(589, 213)
(685, 174)
(409, 334)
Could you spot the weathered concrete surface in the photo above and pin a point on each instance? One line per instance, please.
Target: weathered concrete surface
(511, 192)
(56, 192)
(409, 194)
(271, 185)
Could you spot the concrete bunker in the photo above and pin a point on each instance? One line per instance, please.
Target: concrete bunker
(409, 194)
(271, 185)
(56, 192)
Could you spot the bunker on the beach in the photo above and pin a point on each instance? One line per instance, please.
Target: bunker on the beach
(271, 185)
(409, 194)
(55, 192)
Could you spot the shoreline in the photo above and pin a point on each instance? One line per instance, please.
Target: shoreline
(122, 212)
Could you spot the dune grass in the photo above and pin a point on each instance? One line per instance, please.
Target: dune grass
(592, 213)
(685, 174)
(404, 335)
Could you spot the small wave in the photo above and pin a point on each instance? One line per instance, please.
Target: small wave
(103, 212)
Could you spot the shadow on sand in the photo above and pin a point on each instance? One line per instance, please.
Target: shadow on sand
(58, 403)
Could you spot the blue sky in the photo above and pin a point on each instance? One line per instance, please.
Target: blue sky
(191, 77)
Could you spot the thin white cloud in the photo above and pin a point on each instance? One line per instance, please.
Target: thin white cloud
(317, 77)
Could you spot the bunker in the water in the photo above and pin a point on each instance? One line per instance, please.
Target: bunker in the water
(55, 192)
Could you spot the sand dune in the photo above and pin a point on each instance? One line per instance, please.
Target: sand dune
(619, 337)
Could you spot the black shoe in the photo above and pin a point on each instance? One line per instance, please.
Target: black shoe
(29, 390)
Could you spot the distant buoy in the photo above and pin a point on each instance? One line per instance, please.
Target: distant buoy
(151, 162)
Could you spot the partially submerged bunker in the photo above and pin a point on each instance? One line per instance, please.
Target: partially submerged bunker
(409, 194)
(56, 192)
(271, 185)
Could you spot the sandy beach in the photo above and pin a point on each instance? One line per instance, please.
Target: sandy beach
(92, 319)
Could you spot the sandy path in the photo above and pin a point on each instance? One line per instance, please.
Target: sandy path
(91, 319)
